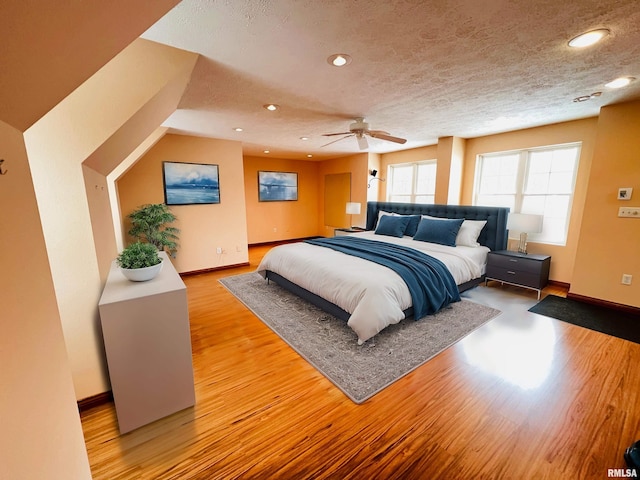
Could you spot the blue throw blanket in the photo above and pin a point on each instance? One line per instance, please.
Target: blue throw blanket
(430, 283)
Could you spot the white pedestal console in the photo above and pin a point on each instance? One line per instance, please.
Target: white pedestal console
(147, 339)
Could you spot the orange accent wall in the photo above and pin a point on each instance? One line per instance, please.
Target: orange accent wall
(274, 221)
(443, 171)
(562, 256)
(452, 147)
(204, 228)
(357, 165)
(608, 244)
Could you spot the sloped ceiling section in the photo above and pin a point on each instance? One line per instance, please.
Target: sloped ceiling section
(138, 128)
(172, 69)
(39, 37)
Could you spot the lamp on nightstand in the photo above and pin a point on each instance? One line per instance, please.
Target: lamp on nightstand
(524, 223)
(353, 208)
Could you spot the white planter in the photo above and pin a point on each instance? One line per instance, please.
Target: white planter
(141, 274)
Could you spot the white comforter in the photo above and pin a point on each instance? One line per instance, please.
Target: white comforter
(373, 294)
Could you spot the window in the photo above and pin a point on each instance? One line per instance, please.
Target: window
(412, 182)
(538, 181)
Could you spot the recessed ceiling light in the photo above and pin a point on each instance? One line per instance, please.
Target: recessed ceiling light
(238, 129)
(266, 151)
(588, 38)
(339, 60)
(271, 107)
(619, 82)
(309, 155)
(304, 138)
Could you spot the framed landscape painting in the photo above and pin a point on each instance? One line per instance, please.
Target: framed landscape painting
(190, 183)
(277, 186)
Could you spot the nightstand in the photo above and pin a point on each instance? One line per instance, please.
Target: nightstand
(346, 231)
(519, 269)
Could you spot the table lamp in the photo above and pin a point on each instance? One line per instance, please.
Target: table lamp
(524, 223)
(353, 208)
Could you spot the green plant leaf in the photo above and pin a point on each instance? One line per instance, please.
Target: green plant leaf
(138, 255)
(150, 223)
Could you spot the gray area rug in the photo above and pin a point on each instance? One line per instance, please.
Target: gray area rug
(326, 342)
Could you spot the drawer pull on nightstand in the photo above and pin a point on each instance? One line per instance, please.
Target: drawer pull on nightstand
(513, 260)
(510, 272)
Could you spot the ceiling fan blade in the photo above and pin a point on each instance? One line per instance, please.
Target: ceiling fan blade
(332, 134)
(385, 136)
(351, 135)
(362, 142)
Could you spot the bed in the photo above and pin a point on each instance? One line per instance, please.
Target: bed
(371, 294)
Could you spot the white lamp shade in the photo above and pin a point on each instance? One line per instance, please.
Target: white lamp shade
(353, 208)
(524, 223)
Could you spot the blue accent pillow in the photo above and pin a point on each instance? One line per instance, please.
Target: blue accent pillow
(392, 226)
(412, 226)
(443, 231)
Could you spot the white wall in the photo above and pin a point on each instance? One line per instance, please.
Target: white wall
(41, 434)
(57, 146)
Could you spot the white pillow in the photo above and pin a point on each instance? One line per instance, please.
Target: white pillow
(469, 233)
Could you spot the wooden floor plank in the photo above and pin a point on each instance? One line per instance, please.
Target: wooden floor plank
(263, 412)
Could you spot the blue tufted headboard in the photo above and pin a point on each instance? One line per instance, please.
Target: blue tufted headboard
(493, 235)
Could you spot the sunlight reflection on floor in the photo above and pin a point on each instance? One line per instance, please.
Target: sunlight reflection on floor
(520, 353)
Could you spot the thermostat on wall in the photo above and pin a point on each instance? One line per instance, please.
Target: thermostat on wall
(625, 193)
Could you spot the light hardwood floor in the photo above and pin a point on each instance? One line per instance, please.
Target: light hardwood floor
(523, 397)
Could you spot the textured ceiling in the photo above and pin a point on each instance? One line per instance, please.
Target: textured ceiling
(421, 69)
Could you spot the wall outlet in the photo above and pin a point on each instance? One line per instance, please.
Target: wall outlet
(219, 250)
(626, 279)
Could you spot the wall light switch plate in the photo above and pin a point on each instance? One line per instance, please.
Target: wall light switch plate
(629, 212)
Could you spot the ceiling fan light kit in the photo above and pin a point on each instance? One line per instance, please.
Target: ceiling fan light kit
(360, 129)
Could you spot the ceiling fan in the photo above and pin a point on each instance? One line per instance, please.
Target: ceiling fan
(360, 129)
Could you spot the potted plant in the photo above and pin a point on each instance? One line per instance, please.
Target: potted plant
(150, 223)
(139, 262)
